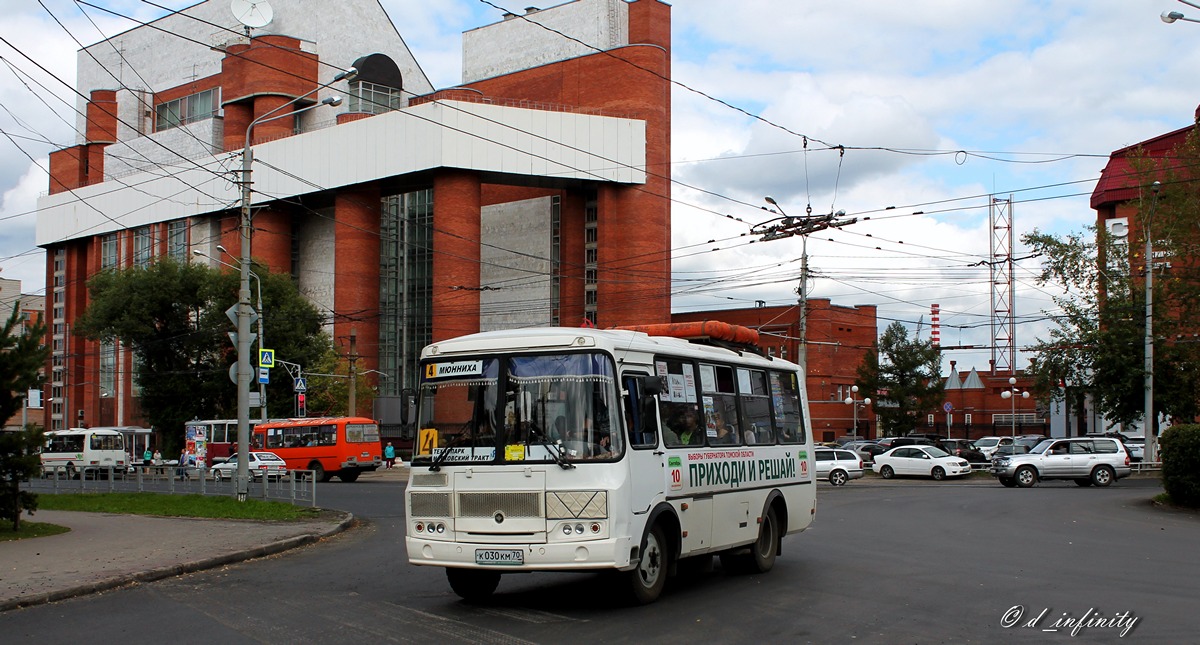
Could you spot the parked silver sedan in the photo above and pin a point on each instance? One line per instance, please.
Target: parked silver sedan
(837, 465)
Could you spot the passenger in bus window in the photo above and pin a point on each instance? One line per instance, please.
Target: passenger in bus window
(685, 431)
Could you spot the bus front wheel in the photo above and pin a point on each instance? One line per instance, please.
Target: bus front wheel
(764, 550)
(319, 473)
(646, 582)
(473, 585)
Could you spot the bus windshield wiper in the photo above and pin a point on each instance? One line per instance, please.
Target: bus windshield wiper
(436, 465)
(555, 448)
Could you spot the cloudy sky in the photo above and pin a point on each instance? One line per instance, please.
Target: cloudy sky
(909, 116)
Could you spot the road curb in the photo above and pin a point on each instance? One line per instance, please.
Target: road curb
(159, 573)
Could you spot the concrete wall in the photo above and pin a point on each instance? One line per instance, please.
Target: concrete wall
(315, 237)
(516, 263)
(517, 43)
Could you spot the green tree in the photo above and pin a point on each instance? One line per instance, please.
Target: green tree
(903, 376)
(172, 315)
(22, 355)
(1097, 345)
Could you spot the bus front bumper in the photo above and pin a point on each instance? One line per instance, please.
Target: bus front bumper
(608, 553)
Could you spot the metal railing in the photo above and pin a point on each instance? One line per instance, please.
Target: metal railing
(296, 487)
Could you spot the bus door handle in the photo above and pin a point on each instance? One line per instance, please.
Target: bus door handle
(660, 452)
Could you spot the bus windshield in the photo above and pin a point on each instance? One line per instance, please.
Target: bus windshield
(536, 408)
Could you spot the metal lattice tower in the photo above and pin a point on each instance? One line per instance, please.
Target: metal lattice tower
(1003, 313)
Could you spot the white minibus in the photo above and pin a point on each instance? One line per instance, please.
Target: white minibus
(558, 449)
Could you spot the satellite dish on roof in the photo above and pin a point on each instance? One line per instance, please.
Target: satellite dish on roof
(252, 13)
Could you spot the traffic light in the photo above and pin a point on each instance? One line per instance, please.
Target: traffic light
(300, 408)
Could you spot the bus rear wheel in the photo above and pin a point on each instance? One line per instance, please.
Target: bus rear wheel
(473, 585)
(646, 582)
(348, 474)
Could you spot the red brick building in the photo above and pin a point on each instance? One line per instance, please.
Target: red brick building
(536, 192)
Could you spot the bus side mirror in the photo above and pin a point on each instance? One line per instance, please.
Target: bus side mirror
(651, 385)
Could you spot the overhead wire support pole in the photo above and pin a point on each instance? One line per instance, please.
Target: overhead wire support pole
(803, 226)
(243, 305)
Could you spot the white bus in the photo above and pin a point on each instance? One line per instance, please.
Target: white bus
(77, 451)
(561, 449)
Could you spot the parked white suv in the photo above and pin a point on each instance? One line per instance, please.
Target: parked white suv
(988, 445)
(837, 465)
(1086, 460)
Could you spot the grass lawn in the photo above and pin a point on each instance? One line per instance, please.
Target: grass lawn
(206, 506)
(29, 530)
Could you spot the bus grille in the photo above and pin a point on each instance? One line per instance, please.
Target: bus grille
(488, 504)
(429, 479)
(430, 504)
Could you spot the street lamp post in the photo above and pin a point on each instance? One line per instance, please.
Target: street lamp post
(1171, 16)
(262, 336)
(243, 306)
(856, 402)
(1012, 393)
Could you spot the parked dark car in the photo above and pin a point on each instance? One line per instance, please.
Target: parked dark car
(1010, 450)
(964, 449)
(887, 443)
(1030, 440)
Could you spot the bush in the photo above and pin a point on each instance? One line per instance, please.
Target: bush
(1180, 446)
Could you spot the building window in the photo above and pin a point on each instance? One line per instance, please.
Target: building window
(108, 251)
(188, 109)
(405, 287)
(143, 246)
(135, 376)
(369, 98)
(555, 259)
(177, 240)
(108, 367)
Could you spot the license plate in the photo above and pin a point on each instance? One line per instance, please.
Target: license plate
(499, 556)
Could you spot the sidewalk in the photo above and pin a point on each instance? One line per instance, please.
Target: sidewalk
(104, 551)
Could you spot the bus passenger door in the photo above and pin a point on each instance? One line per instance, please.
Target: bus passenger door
(647, 475)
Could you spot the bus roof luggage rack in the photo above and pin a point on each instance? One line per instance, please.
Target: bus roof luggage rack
(713, 332)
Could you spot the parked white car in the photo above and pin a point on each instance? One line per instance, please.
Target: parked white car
(920, 460)
(837, 465)
(261, 463)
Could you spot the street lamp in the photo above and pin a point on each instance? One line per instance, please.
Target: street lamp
(856, 402)
(1012, 393)
(262, 336)
(243, 305)
(1171, 16)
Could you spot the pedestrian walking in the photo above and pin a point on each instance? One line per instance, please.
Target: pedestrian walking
(147, 459)
(389, 455)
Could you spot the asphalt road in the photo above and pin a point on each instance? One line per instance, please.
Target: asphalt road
(885, 562)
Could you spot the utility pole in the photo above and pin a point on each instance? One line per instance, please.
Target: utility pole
(789, 226)
(353, 358)
(1151, 449)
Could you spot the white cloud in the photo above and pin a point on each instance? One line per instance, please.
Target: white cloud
(1055, 77)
